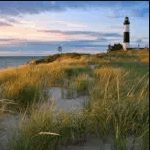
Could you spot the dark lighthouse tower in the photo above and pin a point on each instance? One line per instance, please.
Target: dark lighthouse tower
(126, 34)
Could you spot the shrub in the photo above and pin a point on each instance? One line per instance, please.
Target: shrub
(115, 47)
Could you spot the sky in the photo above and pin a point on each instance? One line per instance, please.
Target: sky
(37, 28)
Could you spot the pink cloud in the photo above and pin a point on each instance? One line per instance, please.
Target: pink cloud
(11, 42)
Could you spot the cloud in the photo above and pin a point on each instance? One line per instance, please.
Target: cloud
(12, 20)
(53, 3)
(69, 24)
(113, 27)
(99, 4)
(35, 7)
(13, 8)
(112, 35)
(115, 13)
(38, 46)
(140, 12)
(48, 47)
(130, 8)
(6, 39)
(2, 23)
(97, 35)
(11, 42)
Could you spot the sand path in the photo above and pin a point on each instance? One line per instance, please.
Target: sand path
(8, 123)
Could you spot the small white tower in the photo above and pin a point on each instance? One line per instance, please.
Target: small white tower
(126, 36)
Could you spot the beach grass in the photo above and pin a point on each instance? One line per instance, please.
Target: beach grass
(119, 100)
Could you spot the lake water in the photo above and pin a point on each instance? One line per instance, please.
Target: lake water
(14, 61)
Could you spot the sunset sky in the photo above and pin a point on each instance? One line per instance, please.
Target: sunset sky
(34, 28)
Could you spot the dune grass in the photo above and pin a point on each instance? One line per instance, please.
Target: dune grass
(24, 84)
(108, 114)
(144, 56)
(119, 104)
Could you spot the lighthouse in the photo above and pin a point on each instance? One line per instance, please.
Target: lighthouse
(126, 35)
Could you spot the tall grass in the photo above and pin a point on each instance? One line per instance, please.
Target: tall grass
(24, 84)
(121, 116)
(119, 104)
(118, 112)
(144, 56)
(21, 84)
(43, 119)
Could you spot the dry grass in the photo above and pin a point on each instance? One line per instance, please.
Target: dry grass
(144, 56)
(117, 106)
(23, 83)
(84, 60)
(110, 112)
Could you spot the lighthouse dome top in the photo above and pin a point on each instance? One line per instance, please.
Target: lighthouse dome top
(126, 21)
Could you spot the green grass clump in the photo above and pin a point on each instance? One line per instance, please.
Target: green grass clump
(76, 71)
(80, 83)
(28, 94)
(42, 118)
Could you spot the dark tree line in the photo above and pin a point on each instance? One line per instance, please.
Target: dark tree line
(115, 47)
